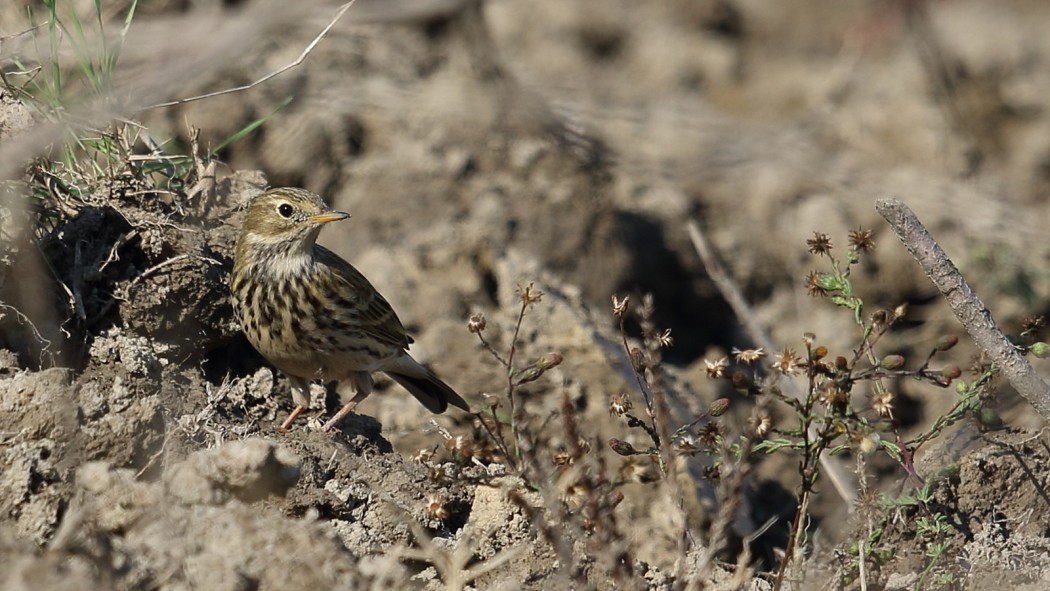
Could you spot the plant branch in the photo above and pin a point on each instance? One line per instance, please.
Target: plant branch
(743, 312)
(299, 60)
(968, 308)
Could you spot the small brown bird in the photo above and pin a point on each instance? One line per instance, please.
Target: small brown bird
(313, 315)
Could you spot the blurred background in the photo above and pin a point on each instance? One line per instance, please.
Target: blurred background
(480, 144)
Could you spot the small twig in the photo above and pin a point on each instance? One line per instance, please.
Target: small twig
(968, 308)
(113, 255)
(205, 168)
(25, 321)
(21, 33)
(492, 350)
(153, 458)
(443, 431)
(861, 566)
(302, 57)
(653, 433)
(794, 541)
(452, 566)
(78, 281)
(517, 413)
(495, 436)
(163, 264)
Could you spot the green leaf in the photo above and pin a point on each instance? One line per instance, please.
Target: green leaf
(892, 449)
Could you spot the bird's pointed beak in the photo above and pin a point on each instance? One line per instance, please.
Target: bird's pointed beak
(329, 216)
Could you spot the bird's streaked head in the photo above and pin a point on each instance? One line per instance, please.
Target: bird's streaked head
(287, 215)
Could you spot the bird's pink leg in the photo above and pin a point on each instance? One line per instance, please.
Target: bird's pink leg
(298, 410)
(346, 410)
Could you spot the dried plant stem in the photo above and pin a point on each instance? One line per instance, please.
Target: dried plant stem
(795, 539)
(968, 308)
(517, 411)
(670, 470)
(299, 60)
(654, 433)
(730, 493)
(841, 481)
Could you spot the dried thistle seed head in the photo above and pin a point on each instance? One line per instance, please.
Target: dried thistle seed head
(759, 423)
(529, 295)
(476, 324)
(819, 244)
(718, 368)
(562, 459)
(423, 456)
(748, 355)
(620, 405)
(861, 240)
(664, 339)
(787, 362)
(460, 447)
(620, 306)
(1030, 325)
(575, 494)
(709, 434)
(686, 445)
(868, 505)
(831, 395)
(882, 403)
(436, 507)
(813, 285)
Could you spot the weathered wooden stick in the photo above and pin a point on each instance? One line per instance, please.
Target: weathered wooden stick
(968, 308)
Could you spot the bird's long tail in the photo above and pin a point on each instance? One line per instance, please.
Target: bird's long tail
(420, 382)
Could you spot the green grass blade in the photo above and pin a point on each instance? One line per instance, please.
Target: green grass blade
(127, 20)
(56, 70)
(251, 127)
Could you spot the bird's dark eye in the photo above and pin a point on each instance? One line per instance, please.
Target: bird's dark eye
(285, 210)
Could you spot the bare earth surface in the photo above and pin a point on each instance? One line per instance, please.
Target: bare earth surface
(481, 147)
